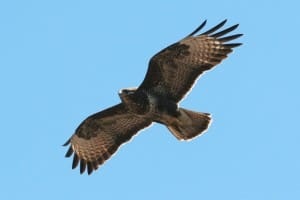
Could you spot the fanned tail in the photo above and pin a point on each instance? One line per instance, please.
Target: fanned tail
(189, 124)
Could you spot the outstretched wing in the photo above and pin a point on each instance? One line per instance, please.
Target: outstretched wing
(99, 136)
(173, 71)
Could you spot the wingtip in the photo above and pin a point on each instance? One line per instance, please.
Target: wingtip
(89, 168)
(82, 166)
(213, 29)
(235, 26)
(197, 29)
(66, 143)
(232, 45)
(229, 38)
(224, 21)
(225, 31)
(69, 152)
(75, 161)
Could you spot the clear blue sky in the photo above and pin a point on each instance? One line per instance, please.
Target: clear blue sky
(61, 61)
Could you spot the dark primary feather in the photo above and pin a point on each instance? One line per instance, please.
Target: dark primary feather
(75, 160)
(173, 71)
(197, 29)
(228, 38)
(69, 152)
(221, 33)
(215, 28)
(100, 135)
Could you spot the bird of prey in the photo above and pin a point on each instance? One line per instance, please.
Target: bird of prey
(171, 74)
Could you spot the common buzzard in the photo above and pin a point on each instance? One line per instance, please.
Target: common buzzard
(171, 74)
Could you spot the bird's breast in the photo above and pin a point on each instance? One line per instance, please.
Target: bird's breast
(138, 103)
(160, 105)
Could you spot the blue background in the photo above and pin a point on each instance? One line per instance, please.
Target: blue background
(61, 61)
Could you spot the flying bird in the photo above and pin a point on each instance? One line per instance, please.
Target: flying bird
(171, 74)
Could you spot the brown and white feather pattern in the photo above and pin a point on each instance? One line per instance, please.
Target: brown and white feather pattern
(171, 74)
(173, 71)
(100, 135)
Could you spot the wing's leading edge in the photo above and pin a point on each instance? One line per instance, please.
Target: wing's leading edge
(99, 136)
(173, 71)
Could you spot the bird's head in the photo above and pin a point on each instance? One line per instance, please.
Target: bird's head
(126, 93)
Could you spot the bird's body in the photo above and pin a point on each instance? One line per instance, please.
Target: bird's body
(171, 74)
(149, 104)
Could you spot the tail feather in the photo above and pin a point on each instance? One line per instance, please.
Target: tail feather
(189, 124)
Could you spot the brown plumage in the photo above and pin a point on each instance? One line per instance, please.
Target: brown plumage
(171, 74)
